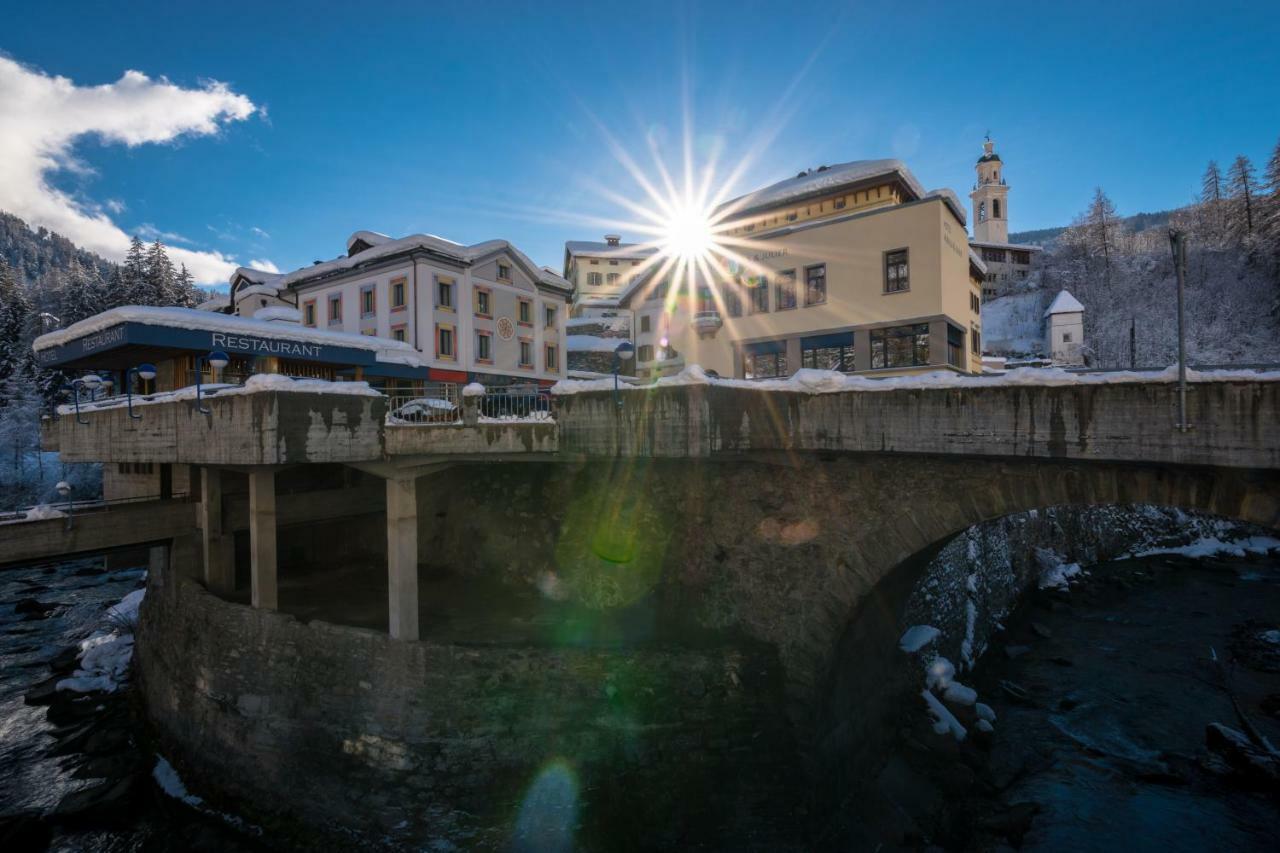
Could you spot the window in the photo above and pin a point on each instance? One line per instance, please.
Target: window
(397, 333)
(484, 303)
(982, 211)
(504, 272)
(764, 365)
(785, 290)
(1019, 257)
(612, 278)
(645, 353)
(975, 340)
(397, 294)
(335, 308)
(815, 284)
(1066, 337)
(525, 313)
(900, 346)
(444, 342)
(368, 302)
(549, 316)
(595, 279)
(660, 290)
(995, 208)
(975, 305)
(896, 277)
(759, 287)
(839, 204)
(995, 255)
(526, 354)
(484, 346)
(553, 359)
(444, 294)
(955, 346)
(732, 300)
(309, 313)
(613, 263)
(646, 323)
(828, 352)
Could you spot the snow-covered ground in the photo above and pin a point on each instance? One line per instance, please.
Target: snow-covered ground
(105, 654)
(1014, 324)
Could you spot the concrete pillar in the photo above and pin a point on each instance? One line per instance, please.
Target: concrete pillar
(158, 564)
(219, 546)
(262, 538)
(402, 558)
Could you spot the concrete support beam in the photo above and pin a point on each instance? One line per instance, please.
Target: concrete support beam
(158, 564)
(262, 538)
(219, 546)
(402, 558)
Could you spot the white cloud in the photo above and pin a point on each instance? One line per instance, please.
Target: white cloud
(263, 234)
(41, 117)
(264, 265)
(115, 205)
(147, 231)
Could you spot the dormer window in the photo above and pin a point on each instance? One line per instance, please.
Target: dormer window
(504, 272)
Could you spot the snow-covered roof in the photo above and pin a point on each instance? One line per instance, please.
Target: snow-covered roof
(216, 302)
(389, 247)
(255, 277)
(635, 251)
(977, 261)
(398, 352)
(369, 238)
(825, 179)
(278, 314)
(949, 196)
(1064, 303)
(1025, 247)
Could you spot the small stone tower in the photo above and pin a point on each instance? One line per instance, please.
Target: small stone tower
(990, 198)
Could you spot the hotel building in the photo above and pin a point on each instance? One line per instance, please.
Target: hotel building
(484, 313)
(853, 267)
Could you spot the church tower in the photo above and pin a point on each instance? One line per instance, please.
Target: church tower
(990, 198)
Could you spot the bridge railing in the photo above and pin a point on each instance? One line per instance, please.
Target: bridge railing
(439, 403)
(515, 403)
(81, 507)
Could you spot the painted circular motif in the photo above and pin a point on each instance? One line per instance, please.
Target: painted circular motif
(506, 329)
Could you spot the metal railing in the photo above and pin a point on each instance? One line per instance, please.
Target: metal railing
(438, 403)
(516, 403)
(89, 505)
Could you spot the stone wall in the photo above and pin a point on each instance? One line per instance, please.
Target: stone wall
(1237, 424)
(382, 743)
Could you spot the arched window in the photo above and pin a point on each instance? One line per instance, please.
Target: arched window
(982, 211)
(995, 208)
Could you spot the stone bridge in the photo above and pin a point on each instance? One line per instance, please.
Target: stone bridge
(684, 516)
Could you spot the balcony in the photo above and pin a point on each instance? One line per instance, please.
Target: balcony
(707, 323)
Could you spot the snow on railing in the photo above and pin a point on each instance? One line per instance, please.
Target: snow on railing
(438, 403)
(442, 404)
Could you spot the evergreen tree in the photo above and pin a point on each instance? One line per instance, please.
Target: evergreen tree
(136, 286)
(1241, 190)
(1210, 219)
(187, 295)
(1102, 230)
(1211, 184)
(161, 278)
(15, 328)
(81, 293)
(1269, 204)
(116, 291)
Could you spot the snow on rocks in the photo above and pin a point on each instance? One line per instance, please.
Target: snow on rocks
(917, 637)
(1208, 546)
(169, 781)
(1055, 572)
(938, 673)
(105, 655)
(473, 389)
(957, 694)
(984, 712)
(943, 720)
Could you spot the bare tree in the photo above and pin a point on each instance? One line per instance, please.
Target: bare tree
(1241, 189)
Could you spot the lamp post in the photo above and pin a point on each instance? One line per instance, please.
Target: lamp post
(146, 371)
(1178, 243)
(64, 489)
(624, 352)
(90, 381)
(217, 359)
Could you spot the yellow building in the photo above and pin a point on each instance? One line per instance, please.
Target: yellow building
(853, 267)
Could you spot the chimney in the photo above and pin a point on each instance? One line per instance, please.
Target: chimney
(613, 239)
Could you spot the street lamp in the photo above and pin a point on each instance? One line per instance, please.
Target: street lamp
(90, 381)
(624, 352)
(217, 359)
(146, 371)
(64, 489)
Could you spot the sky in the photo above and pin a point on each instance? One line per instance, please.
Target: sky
(266, 133)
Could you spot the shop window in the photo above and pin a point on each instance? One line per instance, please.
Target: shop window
(900, 346)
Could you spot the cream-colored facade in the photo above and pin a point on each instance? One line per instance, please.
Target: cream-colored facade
(1007, 263)
(859, 270)
(600, 272)
(482, 312)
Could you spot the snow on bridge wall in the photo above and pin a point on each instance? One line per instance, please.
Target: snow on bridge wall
(1236, 423)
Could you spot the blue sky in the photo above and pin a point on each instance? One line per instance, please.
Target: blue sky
(476, 121)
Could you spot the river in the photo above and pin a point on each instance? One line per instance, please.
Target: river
(1102, 694)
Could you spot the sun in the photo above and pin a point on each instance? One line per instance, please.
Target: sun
(688, 232)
